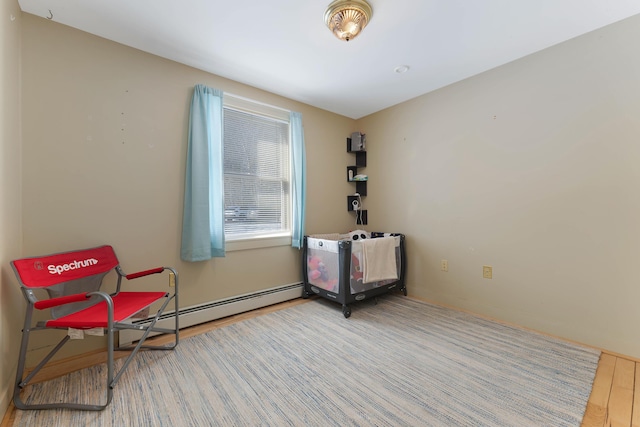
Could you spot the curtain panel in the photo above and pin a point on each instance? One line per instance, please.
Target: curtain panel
(299, 167)
(203, 218)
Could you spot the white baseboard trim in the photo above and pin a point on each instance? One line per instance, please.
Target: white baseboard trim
(201, 313)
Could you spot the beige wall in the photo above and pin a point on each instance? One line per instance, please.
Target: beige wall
(531, 168)
(104, 133)
(10, 205)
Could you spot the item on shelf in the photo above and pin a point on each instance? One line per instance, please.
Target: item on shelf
(358, 141)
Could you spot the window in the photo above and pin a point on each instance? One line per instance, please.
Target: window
(265, 171)
(257, 187)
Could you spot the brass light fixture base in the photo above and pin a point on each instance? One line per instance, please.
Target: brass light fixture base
(347, 18)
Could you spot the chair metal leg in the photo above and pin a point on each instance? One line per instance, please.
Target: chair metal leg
(140, 345)
(21, 382)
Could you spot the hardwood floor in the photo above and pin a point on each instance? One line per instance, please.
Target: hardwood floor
(614, 396)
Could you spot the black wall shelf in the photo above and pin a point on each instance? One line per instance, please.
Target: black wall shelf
(361, 186)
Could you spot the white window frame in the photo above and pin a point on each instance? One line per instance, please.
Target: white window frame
(261, 240)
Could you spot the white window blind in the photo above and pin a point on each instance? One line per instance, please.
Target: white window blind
(256, 174)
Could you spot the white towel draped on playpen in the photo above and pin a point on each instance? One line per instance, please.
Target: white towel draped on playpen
(379, 259)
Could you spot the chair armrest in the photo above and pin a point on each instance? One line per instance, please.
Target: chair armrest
(54, 302)
(173, 276)
(144, 273)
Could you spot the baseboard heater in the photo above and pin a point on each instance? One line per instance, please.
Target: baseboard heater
(202, 313)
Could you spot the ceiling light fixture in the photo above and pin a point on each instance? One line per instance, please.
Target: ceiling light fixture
(347, 18)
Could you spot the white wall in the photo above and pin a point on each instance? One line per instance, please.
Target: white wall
(531, 168)
(10, 186)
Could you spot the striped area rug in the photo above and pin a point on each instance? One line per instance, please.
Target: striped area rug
(401, 362)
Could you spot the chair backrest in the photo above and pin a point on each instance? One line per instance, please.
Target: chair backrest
(66, 273)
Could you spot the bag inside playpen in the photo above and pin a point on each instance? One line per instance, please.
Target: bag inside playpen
(375, 260)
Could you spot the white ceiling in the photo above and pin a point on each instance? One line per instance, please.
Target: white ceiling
(284, 47)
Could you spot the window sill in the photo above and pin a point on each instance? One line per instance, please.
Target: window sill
(244, 243)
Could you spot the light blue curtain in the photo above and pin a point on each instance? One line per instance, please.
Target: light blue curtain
(203, 219)
(299, 164)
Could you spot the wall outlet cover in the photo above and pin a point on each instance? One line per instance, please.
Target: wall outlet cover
(487, 272)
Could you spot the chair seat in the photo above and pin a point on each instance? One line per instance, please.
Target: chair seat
(125, 305)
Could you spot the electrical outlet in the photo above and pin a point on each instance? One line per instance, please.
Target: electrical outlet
(487, 272)
(444, 265)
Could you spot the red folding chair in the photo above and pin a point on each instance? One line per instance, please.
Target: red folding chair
(72, 281)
